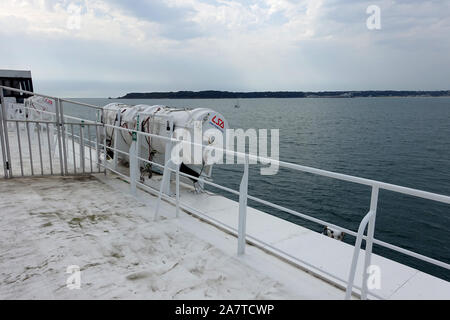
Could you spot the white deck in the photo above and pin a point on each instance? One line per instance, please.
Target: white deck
(48, 224)
(126, 261)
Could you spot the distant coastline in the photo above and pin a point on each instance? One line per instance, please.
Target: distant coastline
(211, 94)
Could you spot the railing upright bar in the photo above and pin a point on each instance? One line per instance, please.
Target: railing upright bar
(49, 149)
(369, 242)
(354, 263)
(134, 155)
(97, 150)
(8, 164)
(105, 153)
(161, 189)
(90, 148)
(73, 150)
(38, 127)
(63, 134)
(30, 150)
(133, 165)
(19, 144)
(178, 190)
(82, 158)
(2, 143)
(243, 197)
(116, 139)
(60, 136)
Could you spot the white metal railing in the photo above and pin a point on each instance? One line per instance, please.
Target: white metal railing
(368, 222)
(61, 125)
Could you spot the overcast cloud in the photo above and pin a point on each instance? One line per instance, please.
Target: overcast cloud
(154, 45)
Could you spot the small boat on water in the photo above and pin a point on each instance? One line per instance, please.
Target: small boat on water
(237, 105)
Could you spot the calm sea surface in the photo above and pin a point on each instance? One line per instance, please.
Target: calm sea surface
(404, 141)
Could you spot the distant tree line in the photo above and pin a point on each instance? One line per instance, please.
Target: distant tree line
(211, 94)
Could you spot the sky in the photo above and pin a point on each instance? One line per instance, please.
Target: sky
(101, 48)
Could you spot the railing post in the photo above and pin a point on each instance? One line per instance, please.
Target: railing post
(116, 140)
(63, 133)
(89, 146)
(168, 161)
(2, 140)
(178, 190)
(162, 188)
(73, 149)
(38, 129)
(105, 152)
(138, 147)
(58, 130)
(133, 164)
(369, 242)
(49, 149)
(8, 165)
(243, 193)
(30, 149)
(82, 157)
(19, 145)
(351, 278)
(97, 148)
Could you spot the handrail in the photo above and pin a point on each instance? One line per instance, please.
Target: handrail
(330, 174)
(51, 97)
(374, 183)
